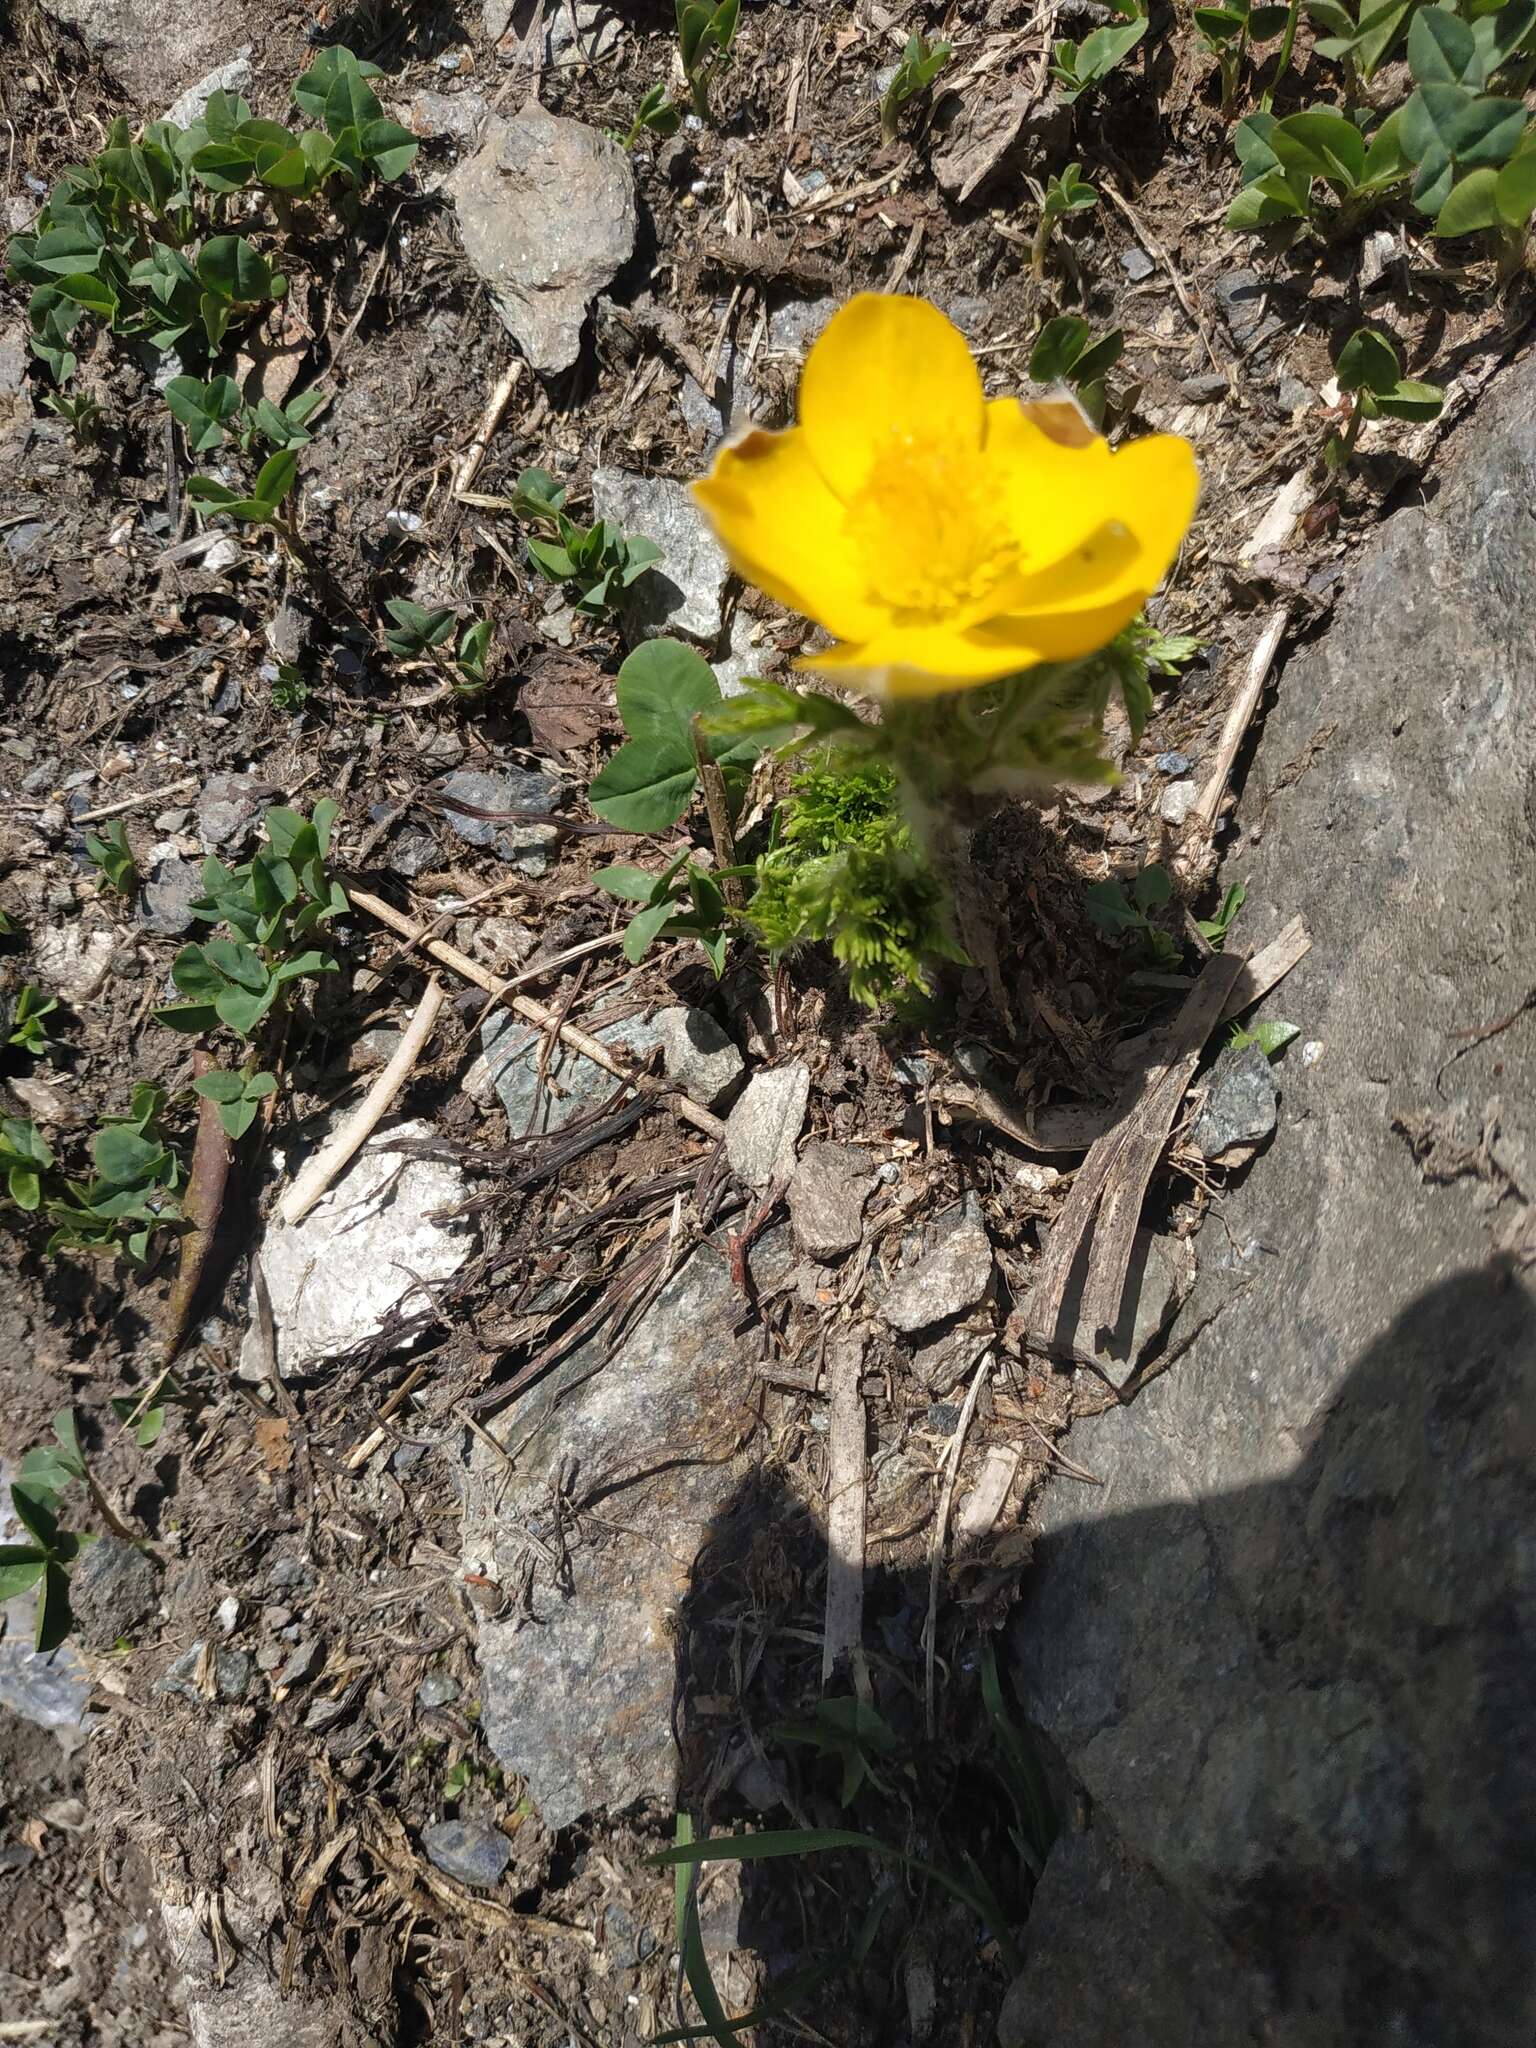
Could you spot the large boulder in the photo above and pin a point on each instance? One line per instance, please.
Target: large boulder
(1286, 1650)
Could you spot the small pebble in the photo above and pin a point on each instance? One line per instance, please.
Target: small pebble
(227, 1615)
(468, 1850)
(1177, 803)
(1137, 264)
(1173, 764)
(437, 1689)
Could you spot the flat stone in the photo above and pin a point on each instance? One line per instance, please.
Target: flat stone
(982, 133)
(685, 591)
(1205, 388)
(762, 1130)
(525, 847)
(437, 1689)
(946, 1281)
(1243, 1104)
(469, 1850)
(231, 1675)
(446, 113)
(228, 809)
(579, 1702)
(831, 1185)
(1302, 1717)
(367, 1247)
(111, 1589)
(546, 211)
(170, 889)
(696, 1055)
(232, 77)
(73, 963)
(150, 47)
(1177, 801)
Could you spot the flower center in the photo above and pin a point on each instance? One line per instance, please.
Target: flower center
(932, 539)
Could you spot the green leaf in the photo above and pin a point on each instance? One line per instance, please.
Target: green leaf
(390, 148)
(53, 1616)
(124, 1157)
(1271, 1035)
(312, 91)
(21, 1566)
(220, 1087)
(275, 478)
(1441, 47)
(645, 927)
(1320, 143)
(1274, 197)
(1367, 362)
(1057, 347)
(231, 269)
(203, 409)
(660, 687)
(632, 885)
(34, 1509)
(1152, 888)
(1472, 203)
(1410, 401)
(1515, 192)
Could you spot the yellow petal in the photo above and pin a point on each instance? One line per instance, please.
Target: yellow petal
(1060, 490)
(885, 369)
(784, 531)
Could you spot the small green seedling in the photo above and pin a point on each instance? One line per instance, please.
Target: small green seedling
(657, 114)
(1374, 387)
(274, 904)
(79, 412)
(209, 412)
(705, 34)
(598, 561)
(852, 1734)
(1137, 653)
(1270, 1034)
(274, 481)
(921, 63)
(1066, 352)
(1076, 67)
(132, 1192)
(422, 634)
(24, 1027)
(110, 851)
(24, 1158)
(1228, 30)
(1116, 910)
(1214, 929)
(239, 1097)
(1069, 193)
(46, 1560)
(650, 781)
(148, 1421)
(683, 902)
(290, 689)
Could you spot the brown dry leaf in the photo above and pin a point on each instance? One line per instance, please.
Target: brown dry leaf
(275, 1442)
(567, 701)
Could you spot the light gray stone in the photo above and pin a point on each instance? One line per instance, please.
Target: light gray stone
(458, 114)
(171, 888)
(231, 1675)
(1176, 802)
(696, 1055)
(546, 211)
(685, 590)
(227, 811)
(827, 1196)
(1243, 1104)
(72, 962)
(232, 77)
(579, 1703)
(470, 1850)
(763, 1129)
(1285, 1648)
(152, 48)
(946, 1281)
(526, 847)
(368, 1246)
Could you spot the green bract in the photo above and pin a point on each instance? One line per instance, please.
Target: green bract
(420, 632)
(655, 115)
(649, 783)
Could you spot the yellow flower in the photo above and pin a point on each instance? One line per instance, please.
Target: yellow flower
(945, 539)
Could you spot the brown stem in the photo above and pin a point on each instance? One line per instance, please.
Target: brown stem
(201, 1207)
(717, 804)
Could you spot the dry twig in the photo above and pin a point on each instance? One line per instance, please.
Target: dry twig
(847, 1502)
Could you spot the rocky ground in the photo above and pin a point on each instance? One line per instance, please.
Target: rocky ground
(506, 1500)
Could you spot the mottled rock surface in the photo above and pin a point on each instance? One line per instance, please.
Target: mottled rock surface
(1286, 1648)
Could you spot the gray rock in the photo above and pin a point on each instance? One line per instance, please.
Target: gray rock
(111, 1590)
(696, 1055)
(169, 892)
(13, 360)
(300, 1663)
(232, 77)
(1137, 265)
(592, 33)
(231, 1675)
(686, 589)
(984, 133)
(228, 809)
(826, 1198)
(525, 847)
(469, 1850)
(73, 962)
(437, 1689)
(946, 1281)
(580, 1703)
(1243, 1104)
(446, 113)
(1205, 388)
(546, 211)
(1303, 1715)
(1176, 802)
(762, 1130)
(150, 47)
(1172, 764)
(369, 1245)
(1244, 299)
